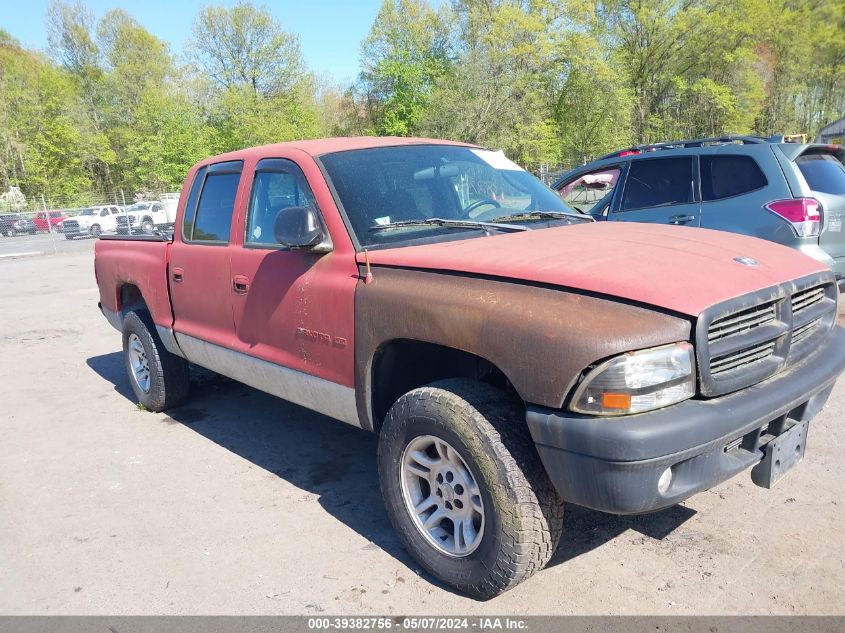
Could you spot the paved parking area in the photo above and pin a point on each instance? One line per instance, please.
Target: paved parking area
(42, 244)
(241, 503)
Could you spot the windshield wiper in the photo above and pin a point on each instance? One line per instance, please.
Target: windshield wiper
(544, 215)
(488, 227)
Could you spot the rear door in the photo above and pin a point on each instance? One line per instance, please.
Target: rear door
(659, 190)
(824, 173)
(737, 181)
(199, 273)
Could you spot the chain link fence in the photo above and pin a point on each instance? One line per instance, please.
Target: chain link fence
(87, 214)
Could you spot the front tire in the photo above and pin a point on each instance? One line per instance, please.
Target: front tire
(159, 379)
(464, 487)
(147, 226)
(11, 233)
(96, 230)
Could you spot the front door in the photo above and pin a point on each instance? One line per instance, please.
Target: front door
(659, 190)
(293, 310)
(200, 280)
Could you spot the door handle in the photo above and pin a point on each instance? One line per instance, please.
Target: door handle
(178, 275)
(240, 284)
(681, 219)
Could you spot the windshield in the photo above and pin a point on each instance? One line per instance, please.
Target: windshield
(88, 212)
(139, 206)
(391, 194)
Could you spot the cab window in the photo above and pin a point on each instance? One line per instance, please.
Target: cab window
(213, 217)
(278, 184)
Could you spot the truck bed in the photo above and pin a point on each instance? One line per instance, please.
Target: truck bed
(130, 266)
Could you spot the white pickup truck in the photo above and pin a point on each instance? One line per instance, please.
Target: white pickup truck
(144, 217)
(93, 221)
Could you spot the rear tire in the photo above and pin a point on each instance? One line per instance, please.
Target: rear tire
(144, 355)
(517, 512)
(11, 233)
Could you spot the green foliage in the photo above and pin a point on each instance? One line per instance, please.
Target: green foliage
(406, 52)
(548, 81)
(246, 46)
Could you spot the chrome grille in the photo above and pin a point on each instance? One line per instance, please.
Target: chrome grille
(70, 224)
(741, 322)
(741, 359)
(806, 299)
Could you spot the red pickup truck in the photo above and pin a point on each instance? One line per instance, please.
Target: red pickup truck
(511, 354)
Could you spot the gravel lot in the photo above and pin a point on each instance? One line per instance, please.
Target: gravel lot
(239, 503)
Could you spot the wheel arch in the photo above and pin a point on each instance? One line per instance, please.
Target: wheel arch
(130, 298)
(399, 365)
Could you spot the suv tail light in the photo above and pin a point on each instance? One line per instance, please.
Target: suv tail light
(804, 214)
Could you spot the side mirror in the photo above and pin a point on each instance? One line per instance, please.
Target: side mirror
(298, 228)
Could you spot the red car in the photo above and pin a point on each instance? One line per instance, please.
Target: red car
(56, 219)
(511, 356)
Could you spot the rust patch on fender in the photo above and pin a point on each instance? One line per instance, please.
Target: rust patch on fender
(541, 338)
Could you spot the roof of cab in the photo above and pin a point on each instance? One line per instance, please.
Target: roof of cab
(318, 147)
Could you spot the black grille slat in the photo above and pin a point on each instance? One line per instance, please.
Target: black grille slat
(742, 322)
(806, 298)
(746, 357)
(804, 331)
(730, 345)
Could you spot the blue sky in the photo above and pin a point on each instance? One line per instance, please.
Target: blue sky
(330, 31)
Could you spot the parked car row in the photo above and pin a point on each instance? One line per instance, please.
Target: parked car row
(139, 218)
(790, 193)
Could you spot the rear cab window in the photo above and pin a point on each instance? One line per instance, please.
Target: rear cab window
(208, 212)
(823, 172)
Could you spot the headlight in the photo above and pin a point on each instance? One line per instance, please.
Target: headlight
(638, 381)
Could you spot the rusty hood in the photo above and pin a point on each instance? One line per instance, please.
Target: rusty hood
(681, 269)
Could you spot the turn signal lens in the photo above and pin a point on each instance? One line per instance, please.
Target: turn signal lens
(616, 401)
(638, 382)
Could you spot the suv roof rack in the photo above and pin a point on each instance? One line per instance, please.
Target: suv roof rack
(698, 142)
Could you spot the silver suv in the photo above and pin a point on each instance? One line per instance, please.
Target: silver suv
(789, 193)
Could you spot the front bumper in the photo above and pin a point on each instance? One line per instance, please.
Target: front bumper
(614, 464)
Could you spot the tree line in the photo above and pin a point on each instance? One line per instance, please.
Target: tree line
(109, 106)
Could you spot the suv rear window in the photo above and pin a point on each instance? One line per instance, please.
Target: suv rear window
(823, 172)
(728, 176)
(658, 182)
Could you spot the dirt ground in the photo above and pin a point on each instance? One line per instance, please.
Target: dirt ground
(239, 503)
